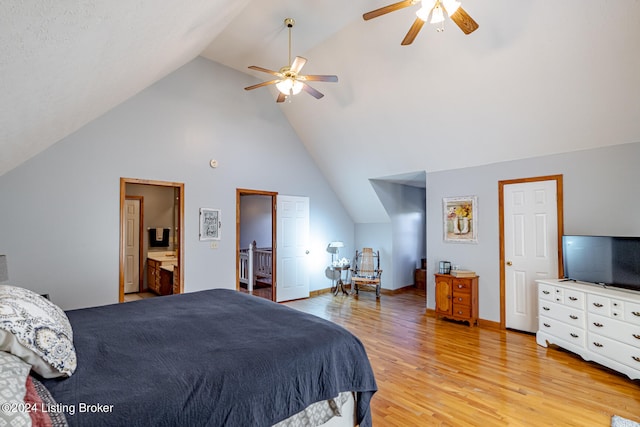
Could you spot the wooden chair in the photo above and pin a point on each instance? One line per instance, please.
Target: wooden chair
(366, 270)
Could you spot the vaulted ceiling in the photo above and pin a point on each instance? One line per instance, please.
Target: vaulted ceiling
(536, 78)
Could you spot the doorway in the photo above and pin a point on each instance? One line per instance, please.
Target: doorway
(531, 227)
(256, 227)
(173, 222)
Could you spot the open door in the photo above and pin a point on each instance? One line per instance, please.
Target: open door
(178, 226)
(293, 247)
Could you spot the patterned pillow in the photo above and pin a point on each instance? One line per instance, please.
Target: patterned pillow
(37, 331)
(13, 387)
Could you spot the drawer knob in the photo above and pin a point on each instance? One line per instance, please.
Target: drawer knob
(574, 335)
(597, 304)
(636, 336)
(546, 292)
(598, 325)
(636, 358)
(459, 299)
(573, 316)
(636, 313)
(573, 298)
(546, 308)
(547, 325)
(459, 286)
(597, 344)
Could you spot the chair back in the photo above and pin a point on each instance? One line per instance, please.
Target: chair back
(367, 262)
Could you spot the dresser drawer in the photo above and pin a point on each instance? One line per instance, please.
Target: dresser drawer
(573, 298)
(546, 292)
(632, 313)
(569, 333)
(562, 313)
(622, 353)
(615, 329)
(599, 305)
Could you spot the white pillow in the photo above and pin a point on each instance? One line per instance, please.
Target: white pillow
(13, 388)
(37, 331)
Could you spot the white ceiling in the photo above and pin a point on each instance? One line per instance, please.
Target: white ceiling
(536, 78)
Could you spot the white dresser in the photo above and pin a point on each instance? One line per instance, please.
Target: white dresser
(600, 324)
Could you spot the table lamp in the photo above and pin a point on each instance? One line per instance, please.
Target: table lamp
(334, 249)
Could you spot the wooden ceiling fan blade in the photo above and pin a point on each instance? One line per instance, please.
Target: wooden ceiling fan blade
(464, 21)
(311, 91)
(256, 86)
(387, 9)
(297, 64)
(281, 97)
(264, 70)
(413, 32)
(319, 78)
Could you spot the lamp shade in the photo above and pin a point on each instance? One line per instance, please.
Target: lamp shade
(334, 247)
(4, 273)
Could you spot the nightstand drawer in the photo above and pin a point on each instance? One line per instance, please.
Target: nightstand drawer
(460, 285)
(461, 299)
(460, 310)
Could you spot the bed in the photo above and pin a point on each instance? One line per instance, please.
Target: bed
(209, 358)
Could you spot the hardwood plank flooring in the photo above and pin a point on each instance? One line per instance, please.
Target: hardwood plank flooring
(434, 372)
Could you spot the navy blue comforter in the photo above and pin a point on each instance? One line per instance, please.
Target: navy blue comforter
(210, 358)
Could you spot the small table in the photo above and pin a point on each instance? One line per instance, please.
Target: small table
(340, 284)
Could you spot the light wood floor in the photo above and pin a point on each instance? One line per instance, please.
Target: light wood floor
(433, 372)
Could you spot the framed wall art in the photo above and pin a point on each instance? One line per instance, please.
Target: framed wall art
(210, 224)
(460, 218)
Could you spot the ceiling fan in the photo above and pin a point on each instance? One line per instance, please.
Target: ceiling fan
(288, 79)
(435, 9)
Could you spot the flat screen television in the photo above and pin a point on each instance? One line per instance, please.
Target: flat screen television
(605, 260)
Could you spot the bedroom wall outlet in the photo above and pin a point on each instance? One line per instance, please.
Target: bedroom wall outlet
(214, 245)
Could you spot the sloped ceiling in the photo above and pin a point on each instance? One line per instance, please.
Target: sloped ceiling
(536, 78)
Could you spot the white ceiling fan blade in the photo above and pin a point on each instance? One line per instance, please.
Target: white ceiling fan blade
(311, 91)
(297, 64)
(265, 70)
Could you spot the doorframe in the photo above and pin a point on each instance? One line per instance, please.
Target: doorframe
(247, 192)
(180, 239)
(560, 220)
(140, 241)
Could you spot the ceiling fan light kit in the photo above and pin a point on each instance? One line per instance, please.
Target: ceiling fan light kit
(432, 11)
(288, 79)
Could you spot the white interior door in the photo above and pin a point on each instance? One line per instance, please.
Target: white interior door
(531, 248)
(132, 246)
(292, 278)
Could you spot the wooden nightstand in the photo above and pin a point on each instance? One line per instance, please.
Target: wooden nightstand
(420, 278)
(457, 298)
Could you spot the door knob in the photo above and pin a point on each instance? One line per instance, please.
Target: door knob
(509, 263)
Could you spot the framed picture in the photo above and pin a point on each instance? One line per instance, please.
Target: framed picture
(210, 224)
(460, 219)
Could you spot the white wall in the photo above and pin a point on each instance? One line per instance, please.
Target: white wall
(59, 222)
(600, 197)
